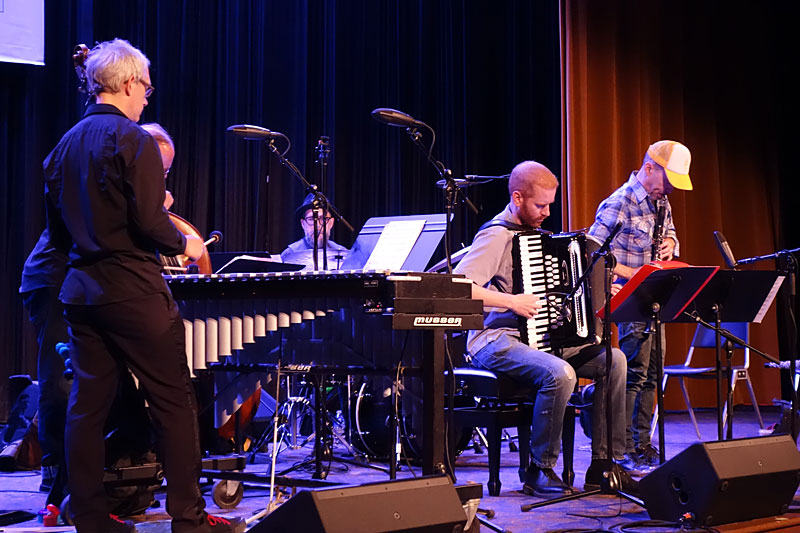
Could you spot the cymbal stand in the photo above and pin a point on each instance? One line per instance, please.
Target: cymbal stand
(290, 416)
(324, 437)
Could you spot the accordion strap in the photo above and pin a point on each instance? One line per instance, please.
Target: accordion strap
(510, 226)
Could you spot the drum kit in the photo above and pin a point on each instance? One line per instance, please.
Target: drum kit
(355, 419)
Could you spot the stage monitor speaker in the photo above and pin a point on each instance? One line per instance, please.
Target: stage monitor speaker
(724, 481)
(428, 504)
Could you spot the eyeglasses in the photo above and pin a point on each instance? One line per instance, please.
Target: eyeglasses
(310, 220)
(148, 89)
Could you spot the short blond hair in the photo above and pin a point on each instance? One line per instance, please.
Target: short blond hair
(112, 63)
(530, 174)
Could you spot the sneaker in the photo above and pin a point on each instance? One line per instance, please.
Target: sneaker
(599, 475)
(648, 455)
(218, 524)
(49, 474)
(544, 483)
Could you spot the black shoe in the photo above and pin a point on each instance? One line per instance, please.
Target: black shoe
(648, 455)
(603, 474)
(217, 524)
(634, 466)
(544, 483)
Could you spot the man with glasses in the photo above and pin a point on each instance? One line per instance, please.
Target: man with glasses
(42, 277)
(105, 209)
(302, 252)
(665, 167)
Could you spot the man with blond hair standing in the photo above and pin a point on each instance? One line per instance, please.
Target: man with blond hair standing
(104, 197)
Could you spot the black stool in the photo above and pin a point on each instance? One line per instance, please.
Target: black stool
(503, 402)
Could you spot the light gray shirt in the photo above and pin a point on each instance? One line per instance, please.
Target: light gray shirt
(490, 265)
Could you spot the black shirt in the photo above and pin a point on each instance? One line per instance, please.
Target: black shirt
(104, 191)
(45, 266)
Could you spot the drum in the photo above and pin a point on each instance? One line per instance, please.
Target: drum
(371, 416)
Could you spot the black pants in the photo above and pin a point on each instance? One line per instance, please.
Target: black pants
(146, 335)
(47, 316)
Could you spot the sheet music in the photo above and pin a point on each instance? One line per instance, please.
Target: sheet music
(768, 300)
(271, 259)
(394, 245)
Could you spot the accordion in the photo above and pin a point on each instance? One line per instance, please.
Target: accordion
(549, 265)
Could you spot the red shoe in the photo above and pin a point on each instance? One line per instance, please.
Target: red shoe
(218, 524)
(116, 524)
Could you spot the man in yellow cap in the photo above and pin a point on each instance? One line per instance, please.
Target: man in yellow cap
(648, 234)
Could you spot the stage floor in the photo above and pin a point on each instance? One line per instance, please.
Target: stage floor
(19, 490)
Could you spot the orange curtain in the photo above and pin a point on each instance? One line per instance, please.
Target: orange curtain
(637, 72)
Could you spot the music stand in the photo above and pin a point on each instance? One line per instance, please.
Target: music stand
(659, 292)
(420, 254)
(732, 296)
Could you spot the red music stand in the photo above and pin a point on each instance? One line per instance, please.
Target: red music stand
(659, 292)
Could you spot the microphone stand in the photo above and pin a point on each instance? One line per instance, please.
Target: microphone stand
(451, 190)
(320, 201)
(787, 265)
(322, 149)
(451, 195)
(730, 340)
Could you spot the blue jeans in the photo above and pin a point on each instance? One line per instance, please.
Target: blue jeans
(554, 380)
(640, 390)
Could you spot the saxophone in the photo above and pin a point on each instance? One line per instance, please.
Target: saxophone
(658, 229)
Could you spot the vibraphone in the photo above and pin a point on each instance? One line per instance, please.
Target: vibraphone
(348, 320)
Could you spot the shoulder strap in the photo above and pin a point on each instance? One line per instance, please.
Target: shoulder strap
(511, 226)
(503, 223)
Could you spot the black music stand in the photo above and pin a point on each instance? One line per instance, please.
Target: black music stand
(658, 293)
(421, 252)
(732, 296)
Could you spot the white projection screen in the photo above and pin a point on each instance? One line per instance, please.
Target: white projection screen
(22, 31)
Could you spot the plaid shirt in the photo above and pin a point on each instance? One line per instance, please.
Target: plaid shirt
(630, 205)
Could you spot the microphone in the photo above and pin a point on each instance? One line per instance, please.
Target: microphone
(393, 117)
(477, 177)
(214, 238)
(249, 132)
(725, 249)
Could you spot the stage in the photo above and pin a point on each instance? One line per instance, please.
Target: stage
(596, 513)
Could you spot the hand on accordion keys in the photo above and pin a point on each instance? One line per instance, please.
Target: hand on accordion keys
(525, 305)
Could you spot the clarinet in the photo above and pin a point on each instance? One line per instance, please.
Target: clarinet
(658, 229)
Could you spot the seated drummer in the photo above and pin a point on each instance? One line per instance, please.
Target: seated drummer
(532, 188)
(302, 252)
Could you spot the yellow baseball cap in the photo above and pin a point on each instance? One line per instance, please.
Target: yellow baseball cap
(675, 158)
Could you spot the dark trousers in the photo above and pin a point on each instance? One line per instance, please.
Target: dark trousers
(145, 335)
(47, 315)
